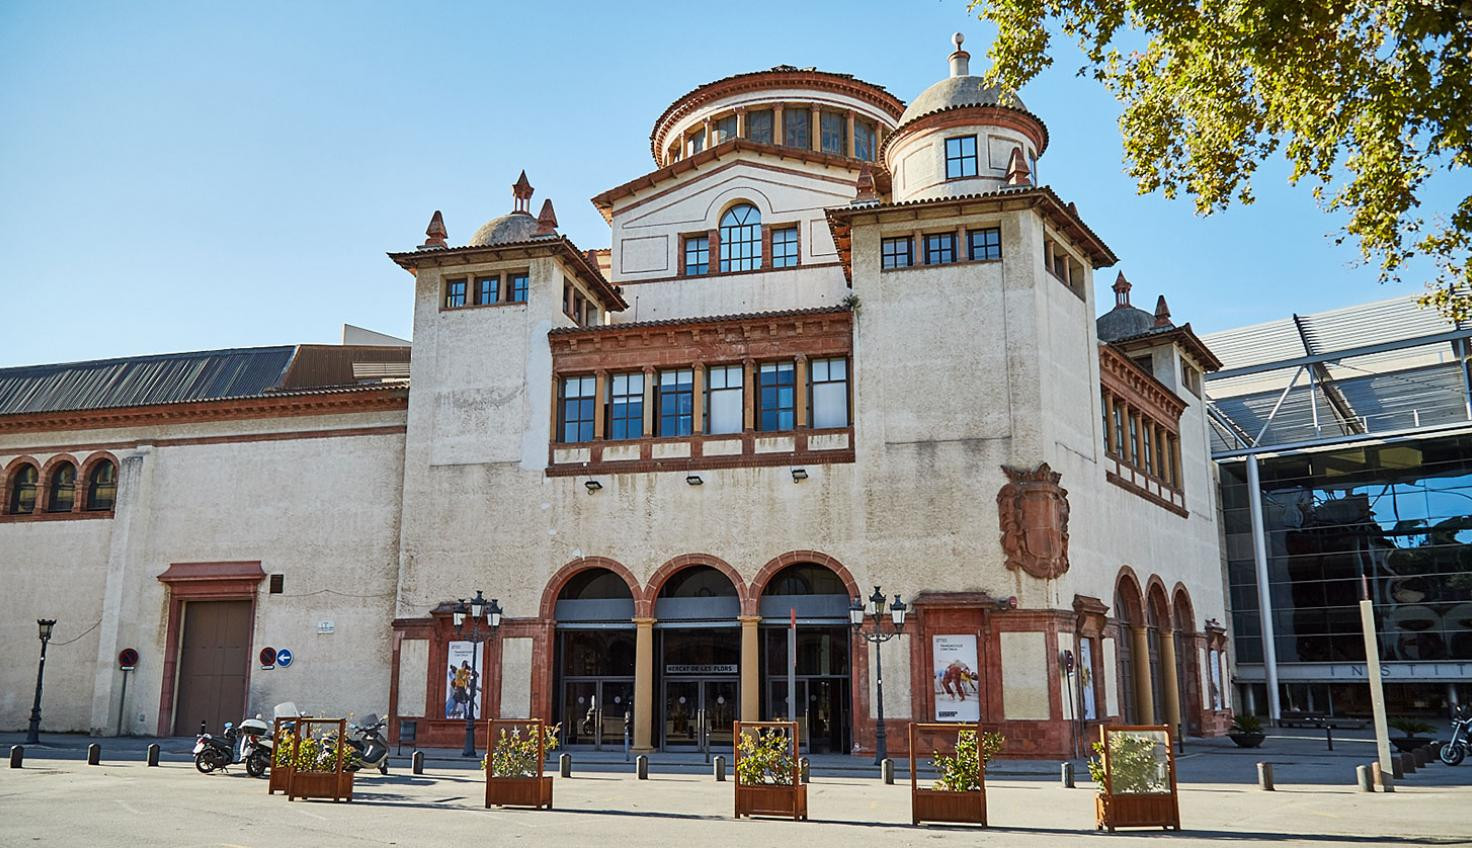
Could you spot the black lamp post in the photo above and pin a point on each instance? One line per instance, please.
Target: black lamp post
(474, 610)
(33, 734)
(875, 608)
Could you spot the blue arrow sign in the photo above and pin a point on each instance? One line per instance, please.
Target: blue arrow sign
(283, 658)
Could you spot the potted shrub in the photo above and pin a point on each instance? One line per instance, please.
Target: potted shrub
(1135, 770)
(959, 791)
(767, 784)
(320, 768)
(283, 744)
(514, 763)
(1413, 730)
(1246, 730)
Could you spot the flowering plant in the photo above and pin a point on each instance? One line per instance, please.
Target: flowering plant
(1134, 765)
(766, 757)
(515, 754)
(962, 772)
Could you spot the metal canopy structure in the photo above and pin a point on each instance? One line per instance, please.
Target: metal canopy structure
(1371, 371)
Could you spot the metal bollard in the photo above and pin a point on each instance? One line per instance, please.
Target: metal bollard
(1386, 782)
(416, 762)
(564, 765)
(718, 768)
(805, 770)
(17, 755)
(1407, 764)
(886, 770)
(641, 766)
(94, 754)
(1265, 776)
(1067, 775)
(1422, 755)
(1362, 778)
(1329, 736)
(152, 757)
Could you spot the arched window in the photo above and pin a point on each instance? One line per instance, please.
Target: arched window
(102, 486)
(23, 490)
(806, 578)
(741, 238)
(700, 581)
(62, 487)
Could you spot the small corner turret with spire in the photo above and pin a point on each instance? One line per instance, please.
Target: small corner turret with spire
(1162, 313)
(960, 59)
(522, 191)
(865, 191)
(1121, 290)
(1018, 174)
(435, 234)
(547, 219)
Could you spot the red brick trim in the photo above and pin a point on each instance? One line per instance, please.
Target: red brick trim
(1127, 588)
(972, 116)
(567, 572)
(1141, 491)
(43, 491)
(202, 581)
(684, 561)
(1159, 601)
(1137, 387)
(777, 563)
(287, 435)
(1183, 611)
(697, 461)
(8, 476)
(240, 409)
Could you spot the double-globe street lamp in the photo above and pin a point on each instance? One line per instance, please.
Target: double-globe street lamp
(473, 610)
(33, 734)
(877, 636)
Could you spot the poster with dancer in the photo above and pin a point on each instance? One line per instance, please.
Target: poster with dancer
(462, 684)
(957, 678)
(1086, 677)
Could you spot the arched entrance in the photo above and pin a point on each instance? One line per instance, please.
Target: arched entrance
(698, 674)
(1157, 631)
(593, 693)
(817, 652)
(1187, 664)
(1130, 620)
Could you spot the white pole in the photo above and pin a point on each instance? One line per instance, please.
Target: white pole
(1377, 689)
(1264, 592)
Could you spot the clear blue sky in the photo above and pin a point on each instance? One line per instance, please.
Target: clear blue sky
(199, 175)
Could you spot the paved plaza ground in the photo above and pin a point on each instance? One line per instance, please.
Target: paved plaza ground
(59, 800)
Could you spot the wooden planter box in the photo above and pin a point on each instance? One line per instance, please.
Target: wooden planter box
(1137, 809)
(941, 805)
(280, 779)
(772, 800)
(534, 792)
(1113, 811)
(320, 784)
(280, 776)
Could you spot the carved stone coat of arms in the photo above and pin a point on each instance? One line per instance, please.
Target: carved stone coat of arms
(1033, 510)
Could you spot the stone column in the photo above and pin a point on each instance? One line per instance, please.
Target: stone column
(749, 396)
(649, 388)
(643, 684)
(800, 392)
(850, 135)
(601, 391)
(697, 400)
(817, 116)
(1144, 693)
(777, 136)
(1172, 682)
(751, 681)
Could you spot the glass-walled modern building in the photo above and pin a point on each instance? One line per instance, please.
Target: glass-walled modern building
(1350, 430)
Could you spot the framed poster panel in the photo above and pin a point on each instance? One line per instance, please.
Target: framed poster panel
(957, 679)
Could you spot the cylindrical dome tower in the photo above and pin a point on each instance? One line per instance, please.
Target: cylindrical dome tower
(959, 137)
(801, 108)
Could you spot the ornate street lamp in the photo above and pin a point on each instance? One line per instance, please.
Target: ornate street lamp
(33, 734)
(474, 611)
(876, 609)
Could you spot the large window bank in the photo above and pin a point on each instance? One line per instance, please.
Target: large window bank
(1395, 519)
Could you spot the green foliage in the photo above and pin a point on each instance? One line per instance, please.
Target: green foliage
(1246, 723)
(1411, 726)
(282, 754)
(1367, 99)
(764, 758)
(1133, 767)
(515, 753)
(316, 754)
(962, 772)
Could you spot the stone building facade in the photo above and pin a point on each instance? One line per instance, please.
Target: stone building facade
(837, 342)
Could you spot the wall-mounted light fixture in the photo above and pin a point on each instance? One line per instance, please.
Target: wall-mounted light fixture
(592, 486)
(799, 475)
(693, 479)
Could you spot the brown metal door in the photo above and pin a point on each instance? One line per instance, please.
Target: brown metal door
(213, 663)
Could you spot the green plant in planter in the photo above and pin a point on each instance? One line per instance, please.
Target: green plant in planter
(1411, 727)
(962, 772)
(1133, 767)
(282, 753)
(1246, 723)
(765, 758)
(515, 754)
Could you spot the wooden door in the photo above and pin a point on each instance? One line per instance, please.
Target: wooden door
(214, 658)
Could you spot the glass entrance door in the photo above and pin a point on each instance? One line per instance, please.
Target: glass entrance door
(698, 714)
(593, 712)
(822, 711)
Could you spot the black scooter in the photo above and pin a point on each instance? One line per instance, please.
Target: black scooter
(370, 749)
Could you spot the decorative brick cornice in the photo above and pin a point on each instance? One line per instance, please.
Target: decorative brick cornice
(1131, 383)
(1020, 120)
(827, 331)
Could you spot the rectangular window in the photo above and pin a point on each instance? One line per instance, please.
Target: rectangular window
(961, 157)
(984, 244)
(516, 286)
(725, 408)
(940, 248)
(1119, 448)
(487, 290)
(896, 253)
(830, 392)
(590, 314)
(833, 129)
(759, 126)
(697, 254)
(626, 406)
(784, 247)
(577, 307)
(455, 293)
(776, 398)
(797, 128)
(864, 140)
(725, 129)
(576, 406)
(676, 401)
(696, 142)
(1134, 440)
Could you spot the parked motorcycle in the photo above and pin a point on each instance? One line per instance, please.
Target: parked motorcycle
(1455, 750)
(369, 748)
(244, 744)
(214, 752)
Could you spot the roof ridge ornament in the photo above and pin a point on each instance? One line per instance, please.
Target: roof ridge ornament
(522, 191)
(960, 59)
(1018, 173)
(547, 219)
(1162, 313)
(1121, 291)
(864, 187)
(435, 234)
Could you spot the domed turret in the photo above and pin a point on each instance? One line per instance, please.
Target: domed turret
(1126, 321)
(516, 225)
(960, 136)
